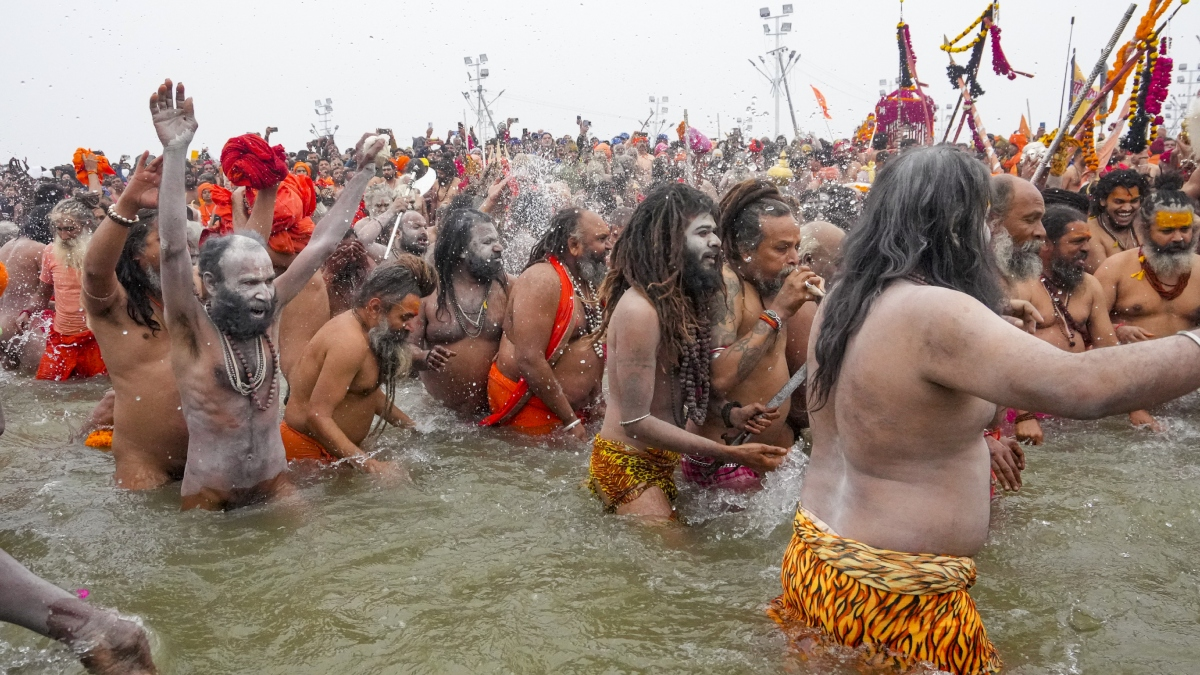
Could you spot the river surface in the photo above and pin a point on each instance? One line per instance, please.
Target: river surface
(498, 561)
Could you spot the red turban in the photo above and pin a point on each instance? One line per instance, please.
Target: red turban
(103, 168)
(292, 225)
(248, 161)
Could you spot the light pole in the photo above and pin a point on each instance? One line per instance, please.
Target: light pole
(324, 113)
(779, 70)
(483, 114)
(657, 110)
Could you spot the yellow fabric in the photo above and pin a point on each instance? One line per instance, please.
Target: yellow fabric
(900, 609)
(619, 474)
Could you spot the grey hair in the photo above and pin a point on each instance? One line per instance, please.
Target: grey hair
(75, 210)
(1002, 193)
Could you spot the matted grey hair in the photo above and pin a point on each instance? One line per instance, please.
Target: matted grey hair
(75, 210)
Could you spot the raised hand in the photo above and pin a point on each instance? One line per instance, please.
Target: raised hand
(366, 155)
(174, 118)
(143, 184)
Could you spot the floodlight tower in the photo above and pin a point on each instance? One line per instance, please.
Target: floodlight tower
(779, 70)
(483, 113)
(657, 110)
(324, 112)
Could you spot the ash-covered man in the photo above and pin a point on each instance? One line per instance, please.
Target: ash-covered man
(458, 333)
(122, 294)
(1116, 199)
(336, 388)
(1069, 299)
(658, 301)
(71, 347)
(1147, 289)
(223, 353)
(764, 288)
(550, 366)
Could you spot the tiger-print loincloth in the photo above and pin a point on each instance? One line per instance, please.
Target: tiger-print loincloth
(619, 474)
(901, 609)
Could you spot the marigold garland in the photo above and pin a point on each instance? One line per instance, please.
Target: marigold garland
(950, 47)
(1141, 36)
(1089, 145)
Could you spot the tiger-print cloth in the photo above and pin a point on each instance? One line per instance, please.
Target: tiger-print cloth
(900, 609)
(619, 474)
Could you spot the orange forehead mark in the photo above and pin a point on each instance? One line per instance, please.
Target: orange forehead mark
(1173, 220)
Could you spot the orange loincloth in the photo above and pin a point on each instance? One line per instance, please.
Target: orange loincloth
(899, 609)
(508, 399)
(534, 418)
(302, 446)
(68, 355)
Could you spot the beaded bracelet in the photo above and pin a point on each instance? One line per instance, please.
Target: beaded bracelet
(119, 219)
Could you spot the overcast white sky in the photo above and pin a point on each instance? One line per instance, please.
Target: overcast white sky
(80, 73)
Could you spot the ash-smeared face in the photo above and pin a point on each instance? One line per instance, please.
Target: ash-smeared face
(242, 303)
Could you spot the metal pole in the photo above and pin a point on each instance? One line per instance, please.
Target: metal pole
(791, 107)
(1101, 65)
(1066, 74)
(778, 75)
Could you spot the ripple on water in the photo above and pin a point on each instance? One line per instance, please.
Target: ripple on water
(498, 560)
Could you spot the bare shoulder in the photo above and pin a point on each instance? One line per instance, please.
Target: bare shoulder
(634, 310)
(1110, 271)
(539, 275)
(1024, 290)
(1092, 285)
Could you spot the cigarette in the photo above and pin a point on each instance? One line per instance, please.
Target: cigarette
(814, 289)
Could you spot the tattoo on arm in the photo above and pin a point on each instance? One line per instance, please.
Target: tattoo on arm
(748, 356)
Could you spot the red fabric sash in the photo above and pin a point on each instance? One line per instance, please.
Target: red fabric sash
(558, 336)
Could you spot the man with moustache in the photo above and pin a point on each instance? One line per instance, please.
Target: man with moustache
(1069, 299)
(549, 367)
(764, 288)
(71, 348)
(122, 294)
(336, 389)
(658, 301)
(1015, 218)
(1116, 199)
(1147, 289)
(223, 353)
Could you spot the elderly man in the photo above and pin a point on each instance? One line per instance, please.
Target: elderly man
(1016, 222)
(350, 372)
(223, 353)
(1116, 199)
(123, 296)
(71, 347)
(1147, 290)
(458, 333)
(1069, 299)
(908, 363)
(658, 300)
(549, 367)
(764, 288)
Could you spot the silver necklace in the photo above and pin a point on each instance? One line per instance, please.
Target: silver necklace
(462, 317)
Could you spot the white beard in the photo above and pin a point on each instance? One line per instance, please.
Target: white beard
(71, 253)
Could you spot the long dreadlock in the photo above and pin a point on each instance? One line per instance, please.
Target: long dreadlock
(649, 257)
(741, 210)
(555, 240)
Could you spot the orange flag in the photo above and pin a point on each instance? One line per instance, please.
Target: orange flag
(821, 100)
(1025, 130)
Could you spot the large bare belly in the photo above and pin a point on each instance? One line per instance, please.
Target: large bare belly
(462, 385)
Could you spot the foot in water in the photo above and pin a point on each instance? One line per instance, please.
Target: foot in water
(105, 643)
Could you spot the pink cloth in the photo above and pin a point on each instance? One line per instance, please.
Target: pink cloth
(69, 318)
(698, 470)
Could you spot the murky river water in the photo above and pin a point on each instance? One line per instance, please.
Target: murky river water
(497, 561)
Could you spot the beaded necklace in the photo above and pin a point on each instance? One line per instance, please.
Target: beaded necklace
(593, 313)
(237, 378)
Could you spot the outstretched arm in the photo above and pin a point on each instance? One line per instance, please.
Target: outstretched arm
(263, 213)
(100, 264)
(329, 231)
(176, 124)
(967, 348)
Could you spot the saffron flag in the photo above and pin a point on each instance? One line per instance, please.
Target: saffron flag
(1025, 130)
(821, 100)
(1078, 82)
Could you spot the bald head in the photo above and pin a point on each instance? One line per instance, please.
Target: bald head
(822, 242)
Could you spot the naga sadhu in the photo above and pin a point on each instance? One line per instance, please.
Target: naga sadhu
(908, 360)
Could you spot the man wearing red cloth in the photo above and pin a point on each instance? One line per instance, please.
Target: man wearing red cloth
(71, 348)
(549, 365)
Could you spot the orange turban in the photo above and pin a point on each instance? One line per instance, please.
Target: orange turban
(297, 165)
(292, 225)
(206, 207)
(103, 168)
(401, 162)
(248, 161)
(222, 207)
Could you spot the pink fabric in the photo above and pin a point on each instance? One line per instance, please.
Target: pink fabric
(728, 476)
(69, 318)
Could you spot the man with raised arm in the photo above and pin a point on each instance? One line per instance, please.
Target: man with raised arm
(122, 295)
(458, 332)
(223, 352)
(549, 367)
(349, 373)
(908, 362)
(764, 288)
(658, 301)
